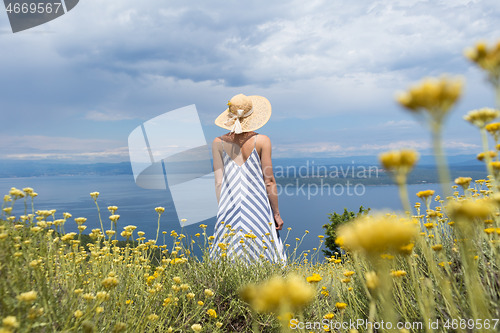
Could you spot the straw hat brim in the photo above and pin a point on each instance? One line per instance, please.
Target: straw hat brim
(259, 117)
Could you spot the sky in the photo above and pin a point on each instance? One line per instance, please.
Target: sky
(73, 89)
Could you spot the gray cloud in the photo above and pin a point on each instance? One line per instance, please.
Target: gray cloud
(123, 62)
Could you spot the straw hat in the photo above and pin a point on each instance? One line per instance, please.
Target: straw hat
(245, 114)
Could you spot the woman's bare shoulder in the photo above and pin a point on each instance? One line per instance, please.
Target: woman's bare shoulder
(216, 142)
(264, 139)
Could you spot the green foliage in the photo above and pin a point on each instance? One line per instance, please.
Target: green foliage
(337, 220)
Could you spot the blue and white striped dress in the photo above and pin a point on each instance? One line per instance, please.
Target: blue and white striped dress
(245, 225)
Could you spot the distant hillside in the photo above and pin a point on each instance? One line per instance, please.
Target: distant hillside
(287, 170)
(13, 169)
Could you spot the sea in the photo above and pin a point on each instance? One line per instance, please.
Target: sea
(303, 210)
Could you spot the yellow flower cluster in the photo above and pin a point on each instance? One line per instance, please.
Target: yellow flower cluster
(160, 210)
(463, 181)
(435, 95)
(399, 162)
(340, 305)
(212, 313)
(494, 130)
(380, 233)
(372, 280)
(481, 117)
(314, 278)
(397, 159)
(471, 209)
(486, 58)
(425, 194)
(278, 294)
(110, 282)
(491, 154)
(114, 217)
(27, 297)
(17, 193)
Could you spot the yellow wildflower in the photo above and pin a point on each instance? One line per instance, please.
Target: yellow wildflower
(429, 225)
(27, 297)
(376, 234)
(112, 209)
(489, 231)
(491, 154)
(314, 278)
(153, 317)
(114, 217)
(340, 305)
(10, 322)
(212, 313)
(425, 194)
(372, 280)
(434, 95)
(398, 273)
(488, 58)
(348, 273)
(329, 315)
(277, 294)
(399, 162)
(102, 296)
(437, 247)
(110, 282)
(80, 220)
(196, 327)
(494, 130)
(463, 181)
(208, 293)
(470, 209)
(482, 116)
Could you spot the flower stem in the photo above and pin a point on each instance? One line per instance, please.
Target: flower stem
(487, 157)
(403, 195)
(158, 229)
(99, 213)
(442, 164)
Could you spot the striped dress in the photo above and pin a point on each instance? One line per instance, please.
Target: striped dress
(245, 226)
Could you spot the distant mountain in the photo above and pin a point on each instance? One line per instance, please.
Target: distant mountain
(13, 169)
(31, 168)
(425, 160)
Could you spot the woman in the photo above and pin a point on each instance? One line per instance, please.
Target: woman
(248, 217)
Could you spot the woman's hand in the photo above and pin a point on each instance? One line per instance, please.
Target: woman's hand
(278, 221)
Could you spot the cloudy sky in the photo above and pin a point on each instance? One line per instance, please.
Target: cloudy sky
(75, 88)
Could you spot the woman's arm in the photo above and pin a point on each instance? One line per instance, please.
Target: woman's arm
(218, 166)
(269, 180)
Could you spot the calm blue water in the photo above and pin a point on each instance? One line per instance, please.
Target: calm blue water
(301, 210)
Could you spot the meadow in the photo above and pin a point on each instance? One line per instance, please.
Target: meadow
(424, 270)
